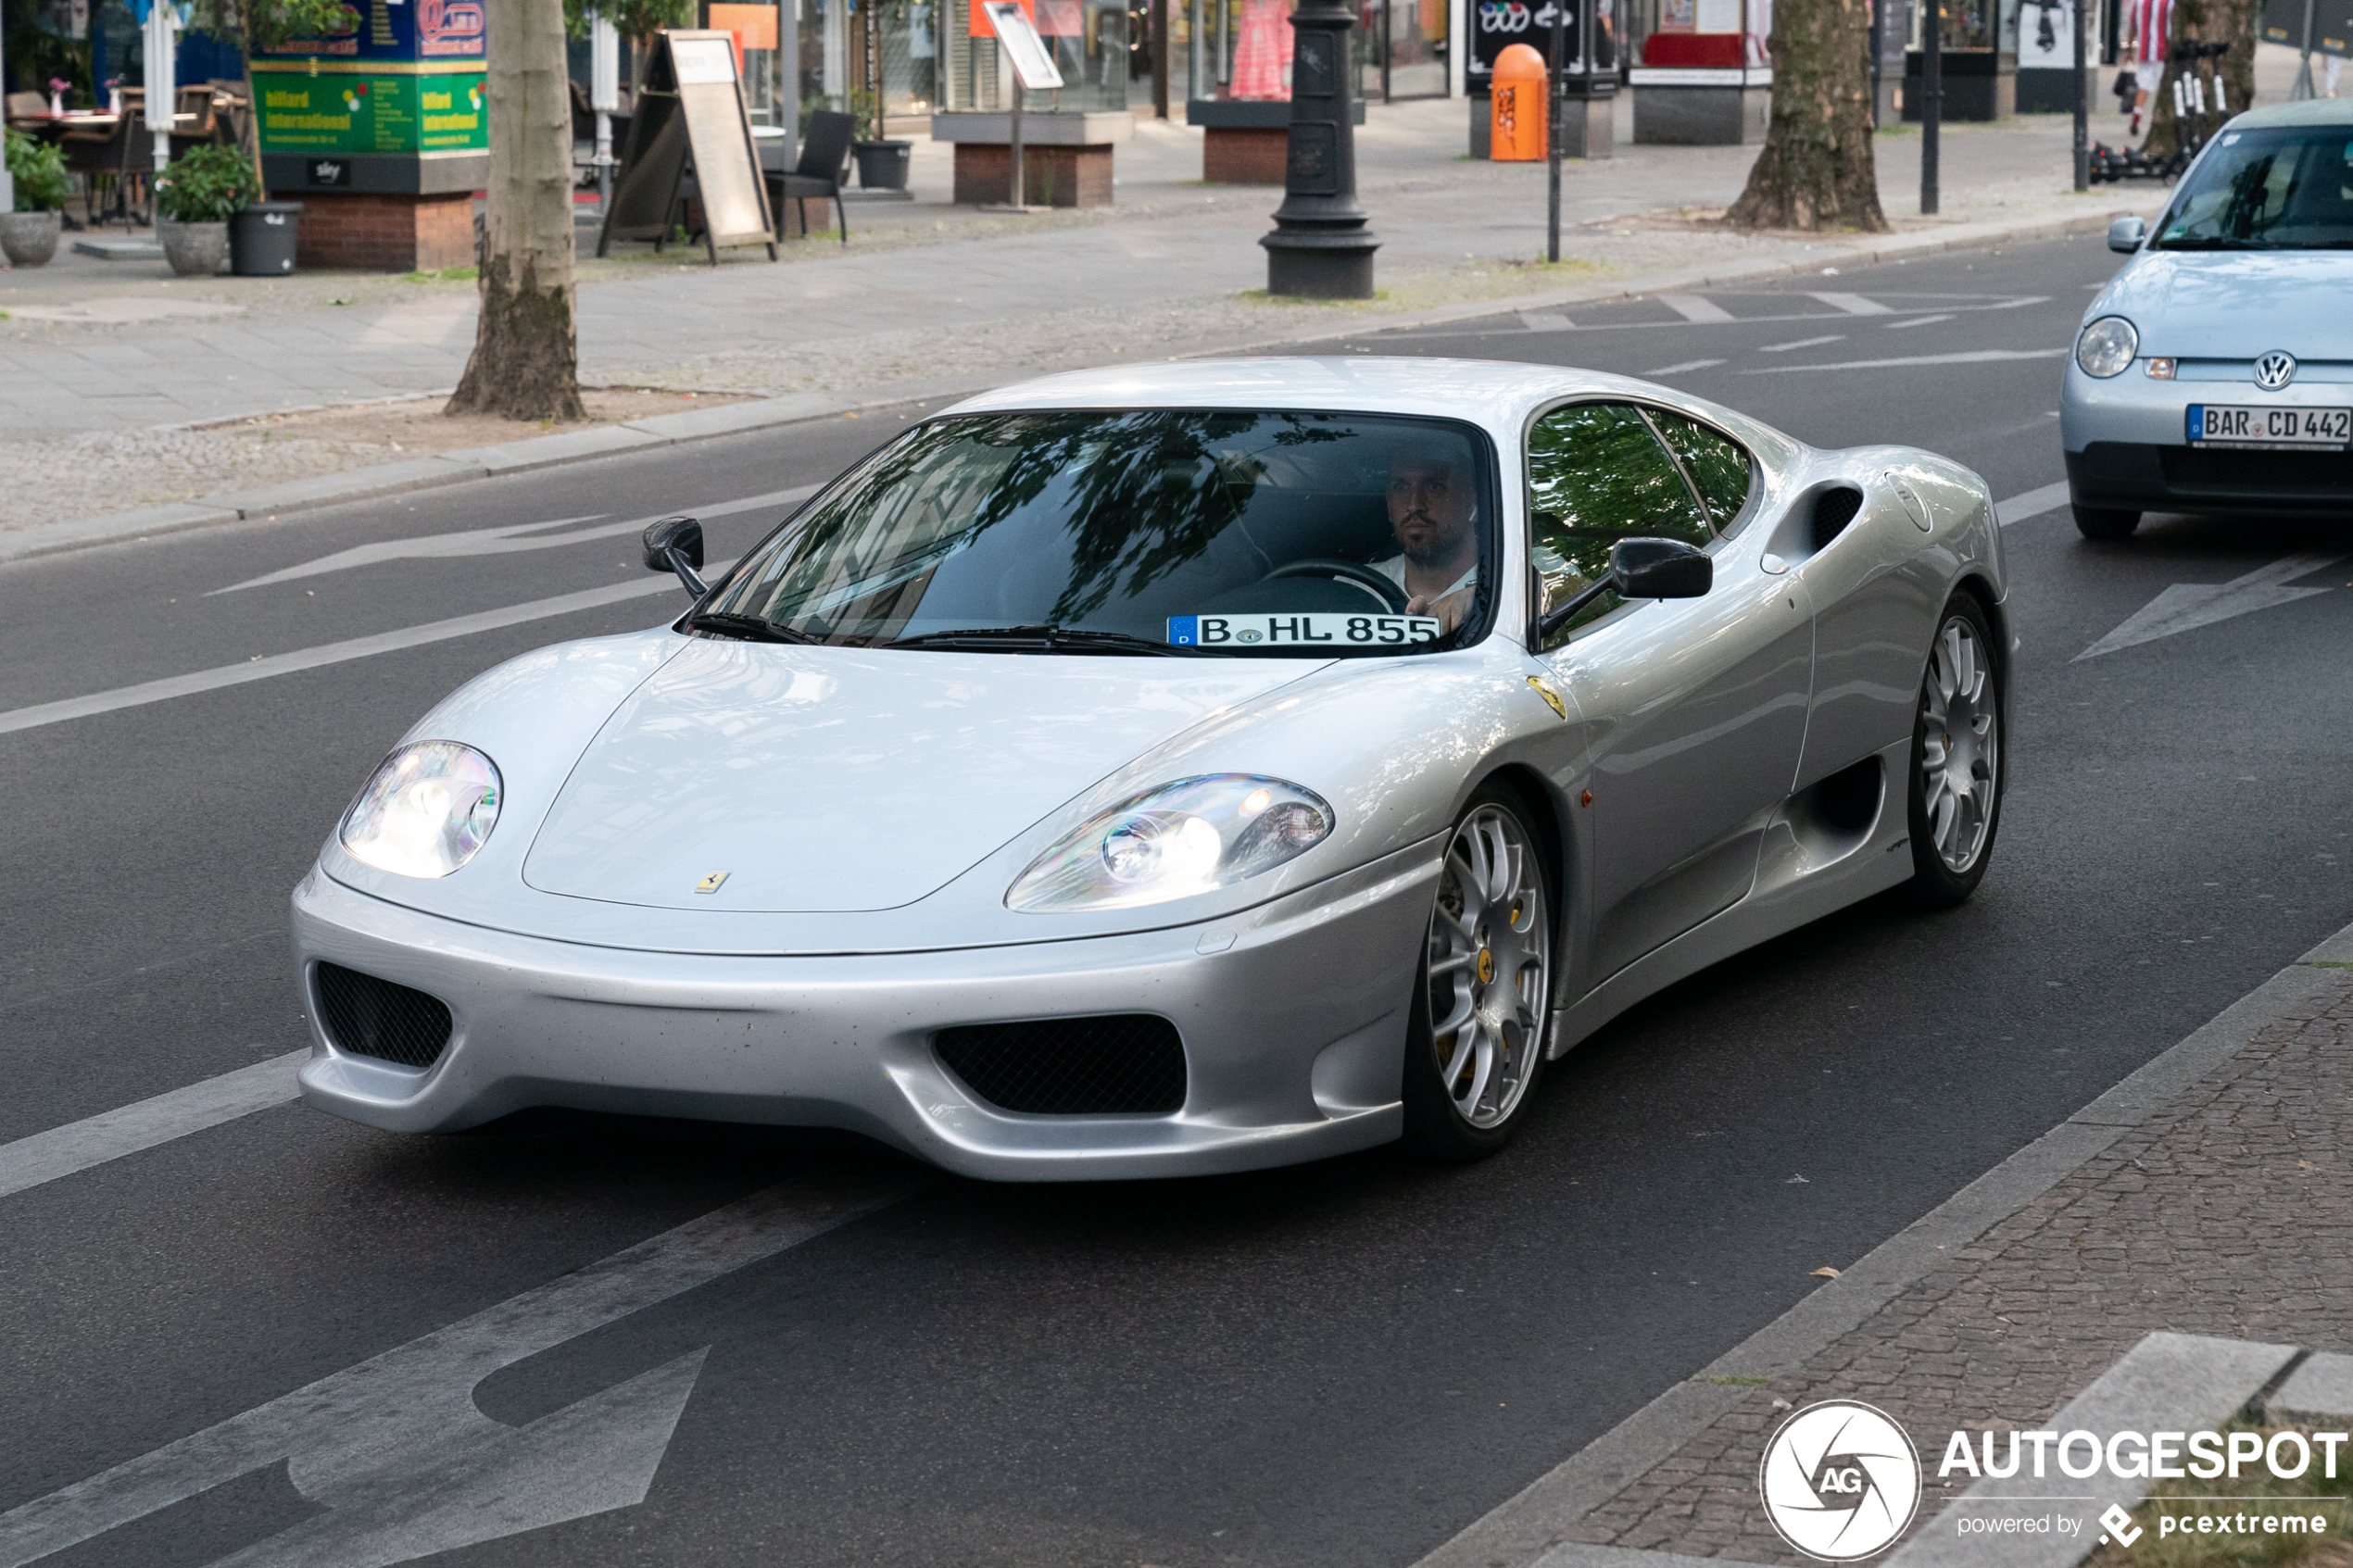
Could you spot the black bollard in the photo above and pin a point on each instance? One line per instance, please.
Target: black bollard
(1320, 248)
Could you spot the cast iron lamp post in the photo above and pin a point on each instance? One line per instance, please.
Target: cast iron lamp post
(1320, 248)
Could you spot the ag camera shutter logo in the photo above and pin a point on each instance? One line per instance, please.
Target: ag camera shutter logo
(1839, 1481)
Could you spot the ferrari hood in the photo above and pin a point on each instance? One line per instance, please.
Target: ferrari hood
(751, 776)
(2235, 304)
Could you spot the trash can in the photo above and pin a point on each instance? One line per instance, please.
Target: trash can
(261, 240)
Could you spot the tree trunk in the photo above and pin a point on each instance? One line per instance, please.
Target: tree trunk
(253, 99)
(2206, 22)
(525, 363)
(1816, 169)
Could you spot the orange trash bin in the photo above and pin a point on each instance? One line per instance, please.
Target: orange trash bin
(1517, 131)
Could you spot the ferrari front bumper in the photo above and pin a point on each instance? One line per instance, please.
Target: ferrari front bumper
(1292, 1017)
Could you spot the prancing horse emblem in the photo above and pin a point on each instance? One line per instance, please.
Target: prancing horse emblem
(711, 884)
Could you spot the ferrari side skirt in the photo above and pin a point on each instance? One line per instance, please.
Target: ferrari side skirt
(1806, 868)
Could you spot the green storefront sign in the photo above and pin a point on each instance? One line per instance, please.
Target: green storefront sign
(390, 98)
(335, 112)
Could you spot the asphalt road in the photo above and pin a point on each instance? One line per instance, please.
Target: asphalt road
(1338, 1365)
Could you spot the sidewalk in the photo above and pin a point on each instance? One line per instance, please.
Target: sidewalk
(103, 364)
(2224, 1208)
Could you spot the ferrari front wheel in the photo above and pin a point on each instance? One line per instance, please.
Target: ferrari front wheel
(1955, 785)
(1475, 1041)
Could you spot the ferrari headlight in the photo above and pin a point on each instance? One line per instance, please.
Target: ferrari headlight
(426, 810)
(2107, 347)
(1182, 838)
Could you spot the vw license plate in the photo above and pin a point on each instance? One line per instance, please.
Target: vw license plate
(2219, 425)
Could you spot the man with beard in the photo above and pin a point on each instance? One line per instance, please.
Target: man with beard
(1432, 507)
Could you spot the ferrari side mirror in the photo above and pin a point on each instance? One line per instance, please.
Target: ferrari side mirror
(1659, 569)
(2126, 234)
(1639, 569)
(675, 545)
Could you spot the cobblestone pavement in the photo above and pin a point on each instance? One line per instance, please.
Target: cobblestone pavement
(2229, 1213)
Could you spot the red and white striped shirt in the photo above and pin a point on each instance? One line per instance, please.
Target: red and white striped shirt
(2152, 29)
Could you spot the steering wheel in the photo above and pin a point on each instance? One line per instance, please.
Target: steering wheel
(1362, 576)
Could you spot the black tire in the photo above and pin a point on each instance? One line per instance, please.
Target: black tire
(2104, 523)
(1437, 1128)
(1937, 881)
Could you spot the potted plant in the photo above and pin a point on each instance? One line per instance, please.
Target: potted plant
(882, 163)
(29, 235)
(194, 199)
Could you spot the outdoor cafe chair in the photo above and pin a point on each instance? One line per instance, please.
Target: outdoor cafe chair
(825, 158)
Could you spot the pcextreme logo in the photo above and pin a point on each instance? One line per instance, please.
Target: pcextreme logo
(1839, 1481)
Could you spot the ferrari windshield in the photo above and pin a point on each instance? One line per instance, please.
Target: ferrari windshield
(2286, 189)
(1178, 531)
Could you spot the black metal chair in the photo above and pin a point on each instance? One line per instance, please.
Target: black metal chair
(824, 161)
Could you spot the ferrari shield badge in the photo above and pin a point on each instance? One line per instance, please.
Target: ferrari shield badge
(711, 884)
(1551, 697)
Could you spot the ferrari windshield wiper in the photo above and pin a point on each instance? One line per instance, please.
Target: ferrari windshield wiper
(750, 628)
(1042, 639)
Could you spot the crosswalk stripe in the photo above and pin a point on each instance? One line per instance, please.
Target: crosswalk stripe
(1691, 307)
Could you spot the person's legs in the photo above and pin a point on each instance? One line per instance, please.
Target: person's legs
(2148, 73)
(2330, 73)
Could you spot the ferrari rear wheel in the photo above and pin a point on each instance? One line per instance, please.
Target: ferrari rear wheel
(1956, 786)
(2105, 522)
(1476, 1043)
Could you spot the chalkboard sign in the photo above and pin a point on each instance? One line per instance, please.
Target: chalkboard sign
(690, 116)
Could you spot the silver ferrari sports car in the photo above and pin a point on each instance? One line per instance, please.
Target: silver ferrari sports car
(1147, 771)
(2214, 371)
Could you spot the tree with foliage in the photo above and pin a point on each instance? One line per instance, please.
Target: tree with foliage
(261, 24)
(637, 20)
(526, 357)
(1816, 169)
(2205, 21)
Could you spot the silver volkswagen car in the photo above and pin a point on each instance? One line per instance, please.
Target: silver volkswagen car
(2214, 371)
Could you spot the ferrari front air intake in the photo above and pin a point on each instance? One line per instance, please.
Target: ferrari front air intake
(365, 1016)
(1125, 1064)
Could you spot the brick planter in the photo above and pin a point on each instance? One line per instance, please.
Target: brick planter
(1054, 176)
(1246, 140)
(384, 230)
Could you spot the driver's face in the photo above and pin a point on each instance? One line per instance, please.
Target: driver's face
(1430, 508)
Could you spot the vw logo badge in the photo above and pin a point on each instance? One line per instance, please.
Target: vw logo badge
(2275, 370)
(1839, 1481)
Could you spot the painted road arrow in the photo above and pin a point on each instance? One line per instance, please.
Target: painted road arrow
(394, 1449)
(2187, 606)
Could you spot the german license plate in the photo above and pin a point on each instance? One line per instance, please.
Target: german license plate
(2222, 425)
(1261, 631)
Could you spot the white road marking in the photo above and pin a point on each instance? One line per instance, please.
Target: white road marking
(263, 668)
(2032, 503)
(1802, 343)
(1691, 307)
(110, 1134)
(1854, 304)
(480, 542)
(1921, 321)
(1545, 322)
(1686, 365)
(395, 1448)
(498, 541)
(2187, 606)
(1967, 356)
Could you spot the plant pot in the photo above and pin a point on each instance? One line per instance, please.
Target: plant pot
(261, 240)
(195, 250)
(882, 166)
(30, 238)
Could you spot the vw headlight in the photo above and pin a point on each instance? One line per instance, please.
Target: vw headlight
(2106, 348)
(1182, 838)
(426, 810)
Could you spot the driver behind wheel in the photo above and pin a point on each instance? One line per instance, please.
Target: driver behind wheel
(1432, 506)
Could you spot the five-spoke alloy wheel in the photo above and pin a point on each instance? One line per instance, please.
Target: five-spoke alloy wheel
(1477, 1039)
(1956, 757)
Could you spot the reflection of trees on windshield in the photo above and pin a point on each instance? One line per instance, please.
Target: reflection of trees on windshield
(1596, 475)
(2277, 189)
(1127, 497)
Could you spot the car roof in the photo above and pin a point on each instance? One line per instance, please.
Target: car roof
(1497, 393)
(2310, 111)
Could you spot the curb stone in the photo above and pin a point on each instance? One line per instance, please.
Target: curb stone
(1521, 1530)
(661, 430)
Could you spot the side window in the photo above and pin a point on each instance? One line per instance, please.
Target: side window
(1717, 465)
(1596, 475)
